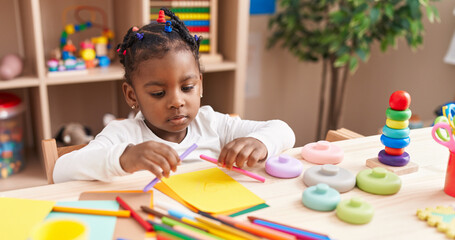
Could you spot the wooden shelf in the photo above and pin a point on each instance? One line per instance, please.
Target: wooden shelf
(20, 82)
(113, 72)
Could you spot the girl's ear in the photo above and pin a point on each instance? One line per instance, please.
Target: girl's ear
(130, 95)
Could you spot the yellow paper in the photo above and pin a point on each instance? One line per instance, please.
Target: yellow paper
(212, 191)
(19, 216)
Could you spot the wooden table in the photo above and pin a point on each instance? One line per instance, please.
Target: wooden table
(394, 217)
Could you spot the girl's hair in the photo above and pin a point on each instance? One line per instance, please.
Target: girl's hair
(154, 41)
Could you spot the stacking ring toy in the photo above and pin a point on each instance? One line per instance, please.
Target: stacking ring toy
(338, 178)
(395, 142)
(378, 181)
(398, 115)
(393, 160)
(284, 166)
(394, 151)
(321, 197)
(322, 152)
(355, 211)
(395, 133)
(396, 124)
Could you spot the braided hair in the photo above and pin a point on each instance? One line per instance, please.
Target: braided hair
(153, 41)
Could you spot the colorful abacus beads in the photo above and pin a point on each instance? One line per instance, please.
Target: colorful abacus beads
(395, 134)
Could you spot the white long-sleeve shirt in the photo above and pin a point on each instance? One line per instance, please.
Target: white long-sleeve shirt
(210, 130)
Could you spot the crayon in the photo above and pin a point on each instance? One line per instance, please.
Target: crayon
(235, 169)
(119, 213)
(134, 214)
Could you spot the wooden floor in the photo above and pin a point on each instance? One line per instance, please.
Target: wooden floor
(32, 175)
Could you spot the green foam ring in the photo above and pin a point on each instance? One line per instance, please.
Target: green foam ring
(442, 133)
(355, 211)
(398, 115)
(378, 181)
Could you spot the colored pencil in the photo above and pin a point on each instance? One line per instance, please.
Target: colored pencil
(212, 230)
(119, 213)
(235, 169)
(195, 234)
(158, 227)
(226, 228)
(182, 156)
(257, 229)
(174, 223)
(134, 214)
(297, 232)
(162, 215)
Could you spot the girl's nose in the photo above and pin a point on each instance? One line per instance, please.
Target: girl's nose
(176, 100)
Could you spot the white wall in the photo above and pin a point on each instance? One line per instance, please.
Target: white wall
(289, 89)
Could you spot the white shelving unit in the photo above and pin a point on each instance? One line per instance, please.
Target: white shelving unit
(85, 98)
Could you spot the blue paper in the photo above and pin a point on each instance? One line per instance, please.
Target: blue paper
(100, 227)
(262, 7)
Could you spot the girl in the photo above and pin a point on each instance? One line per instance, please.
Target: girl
(163, 80)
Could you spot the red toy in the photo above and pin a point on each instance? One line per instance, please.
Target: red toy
(400, 100)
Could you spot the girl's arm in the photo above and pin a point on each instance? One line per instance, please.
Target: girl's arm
(99, 160)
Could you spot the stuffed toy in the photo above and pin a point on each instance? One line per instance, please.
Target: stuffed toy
(74, 134)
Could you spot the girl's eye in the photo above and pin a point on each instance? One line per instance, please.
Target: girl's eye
(187, 88)
(157, 94)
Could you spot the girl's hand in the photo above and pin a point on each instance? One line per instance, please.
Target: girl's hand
(242, 150)
(156, 157)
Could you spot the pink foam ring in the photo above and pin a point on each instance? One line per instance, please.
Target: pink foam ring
(283, 166)
(322, 152)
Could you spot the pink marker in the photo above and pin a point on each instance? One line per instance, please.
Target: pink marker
(235, 169)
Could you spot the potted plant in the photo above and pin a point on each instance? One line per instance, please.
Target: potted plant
(340, 34)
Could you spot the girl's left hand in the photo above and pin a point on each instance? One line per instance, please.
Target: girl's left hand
(242, 150)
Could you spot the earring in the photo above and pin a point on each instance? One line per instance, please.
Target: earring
(133, 107)
(201, 95)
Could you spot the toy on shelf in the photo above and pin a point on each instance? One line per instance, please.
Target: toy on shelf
(443, 218)
(11, 134)
(338, 178)
(322, 152)
(200, 17)
(355, 211)
(93, 52)
(283, 166)
(442, 133)
(378, 181)
(74, 134)
(10, 66)
(395, 137)
(321, 197)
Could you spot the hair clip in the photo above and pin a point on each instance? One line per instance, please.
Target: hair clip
(139, 36)
(161, 17)
(118, 49)
(135, 29)
(168, 27)
(196, 38)
(124, 52)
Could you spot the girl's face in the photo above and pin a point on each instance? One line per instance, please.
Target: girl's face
(168, 92)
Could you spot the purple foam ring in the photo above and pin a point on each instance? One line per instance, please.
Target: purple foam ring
(284, 166)
(391, 160)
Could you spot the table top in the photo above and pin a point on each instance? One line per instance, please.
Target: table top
(394, 216)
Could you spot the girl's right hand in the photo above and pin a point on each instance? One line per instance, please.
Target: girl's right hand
(156, 157)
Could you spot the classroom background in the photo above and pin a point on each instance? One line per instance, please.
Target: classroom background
(241, 75)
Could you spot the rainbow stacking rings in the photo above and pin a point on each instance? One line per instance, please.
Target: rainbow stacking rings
(395, 134)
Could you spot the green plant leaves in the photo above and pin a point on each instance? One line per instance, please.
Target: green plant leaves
(344, 29)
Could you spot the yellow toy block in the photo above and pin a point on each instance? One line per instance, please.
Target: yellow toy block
(443, 218)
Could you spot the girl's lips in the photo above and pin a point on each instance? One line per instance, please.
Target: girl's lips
(177, 120)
